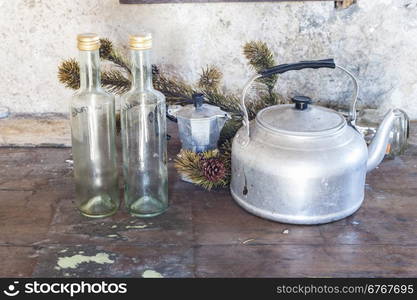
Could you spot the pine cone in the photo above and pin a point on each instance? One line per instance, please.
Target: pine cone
(213, 169)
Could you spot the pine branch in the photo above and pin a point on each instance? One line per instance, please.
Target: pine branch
(118, 59)
(264, 100)
(191, 165)
(210, 78)
(106, 48)
(229, 103)
(118, 122)
(209, 83)
(69, 74)
(110, 53)
(211, 169)
(229, 130)
(115, 82)
(188, 164)
(226, 154)
(175, 90)
(260, 57)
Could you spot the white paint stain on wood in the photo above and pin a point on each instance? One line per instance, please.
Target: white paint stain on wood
(247, 241)
(72, 262)
(151, 274)
(136, 226)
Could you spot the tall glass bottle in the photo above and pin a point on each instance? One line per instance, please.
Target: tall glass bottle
(93, 136)
(144, 136)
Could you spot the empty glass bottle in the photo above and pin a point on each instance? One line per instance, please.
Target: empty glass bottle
(144, 137)
(93, 136)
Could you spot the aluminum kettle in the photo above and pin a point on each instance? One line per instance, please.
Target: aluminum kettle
(301, 163)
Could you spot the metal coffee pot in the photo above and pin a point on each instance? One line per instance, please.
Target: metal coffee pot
(199, 124)
(301, 163)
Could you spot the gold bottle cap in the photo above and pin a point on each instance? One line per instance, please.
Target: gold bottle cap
(142, 41)
(88, 41)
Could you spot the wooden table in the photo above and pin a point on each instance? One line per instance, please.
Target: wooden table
(203, 234)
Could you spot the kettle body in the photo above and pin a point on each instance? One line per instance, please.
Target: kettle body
(306, 180)
(302, 163)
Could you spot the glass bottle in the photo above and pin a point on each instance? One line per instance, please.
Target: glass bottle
(399, 135)
(93, 136)
(144, 136)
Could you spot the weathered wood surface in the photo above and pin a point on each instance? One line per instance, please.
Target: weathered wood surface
(203, 234)
(51, 130)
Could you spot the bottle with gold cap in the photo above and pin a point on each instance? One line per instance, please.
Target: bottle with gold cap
(93, 136)
(144, 136)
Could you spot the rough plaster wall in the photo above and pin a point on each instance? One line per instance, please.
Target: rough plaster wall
(377, 40)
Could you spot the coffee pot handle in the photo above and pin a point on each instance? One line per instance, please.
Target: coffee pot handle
(313, 64)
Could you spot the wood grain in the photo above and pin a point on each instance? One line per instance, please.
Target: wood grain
(203, 234)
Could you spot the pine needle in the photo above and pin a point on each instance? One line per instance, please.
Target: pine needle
(260, 57)
(110, 53)
(106, 48)
(226, 102)
(226, 156)
(115, 82)
(230, 129)
(210, 78)
(175, 90)
(189, 164)
(69, 74)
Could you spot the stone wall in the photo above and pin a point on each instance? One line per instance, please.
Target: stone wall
(377, 40)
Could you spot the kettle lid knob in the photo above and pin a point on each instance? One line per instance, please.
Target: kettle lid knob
(198, 100)
(301, 102)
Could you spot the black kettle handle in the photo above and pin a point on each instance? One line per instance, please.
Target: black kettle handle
(312, 64)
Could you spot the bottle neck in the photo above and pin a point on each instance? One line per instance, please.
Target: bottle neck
(90, 70)
(141, 69)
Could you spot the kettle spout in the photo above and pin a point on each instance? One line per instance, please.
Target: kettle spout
(377, 148)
